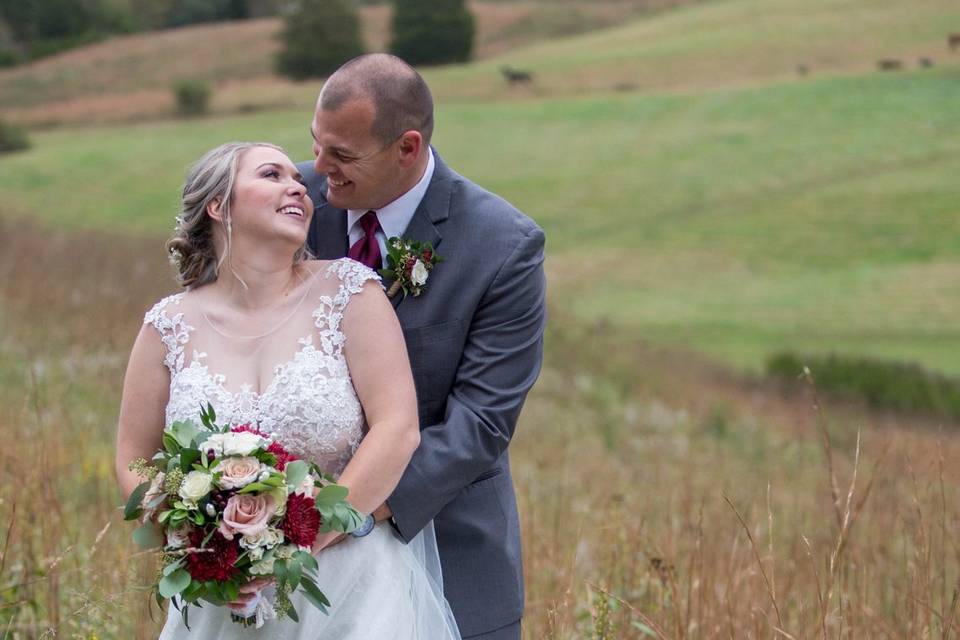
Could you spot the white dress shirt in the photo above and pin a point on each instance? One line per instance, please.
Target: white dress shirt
(394, 217)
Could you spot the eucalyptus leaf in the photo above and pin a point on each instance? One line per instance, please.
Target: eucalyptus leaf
(174, 583)
(280, 572)
(296, 471)
(148, 536)
(307, 560)
(294, 571)
(315, 596)
(256, 486)
(331, 495)
(173, 566)
(132, 509)
(292, 613)
(184, 432)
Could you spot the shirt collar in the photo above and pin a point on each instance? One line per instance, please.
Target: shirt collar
(395, 217)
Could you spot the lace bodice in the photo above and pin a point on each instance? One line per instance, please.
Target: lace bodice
(309, 405)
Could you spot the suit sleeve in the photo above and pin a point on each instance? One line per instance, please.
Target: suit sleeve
(500, 362)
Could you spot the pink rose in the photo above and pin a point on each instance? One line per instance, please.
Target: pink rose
(247, 515)
(238, 472)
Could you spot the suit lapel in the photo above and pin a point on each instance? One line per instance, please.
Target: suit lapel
(433, 210)
(328, 232)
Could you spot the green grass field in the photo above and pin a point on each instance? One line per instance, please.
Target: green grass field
(726, 206)
(808, 215)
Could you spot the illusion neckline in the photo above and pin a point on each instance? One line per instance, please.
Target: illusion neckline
(307, 288)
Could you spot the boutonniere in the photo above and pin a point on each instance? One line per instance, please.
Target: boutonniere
(409, 265)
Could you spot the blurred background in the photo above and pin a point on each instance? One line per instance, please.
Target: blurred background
(734, 192)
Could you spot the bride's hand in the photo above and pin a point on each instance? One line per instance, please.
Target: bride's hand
(325, 540)
(248, 593)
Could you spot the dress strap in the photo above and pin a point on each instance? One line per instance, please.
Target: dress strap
(174, 331)
(327, 316)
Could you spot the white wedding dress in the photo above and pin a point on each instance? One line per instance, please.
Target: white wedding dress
(378, 586)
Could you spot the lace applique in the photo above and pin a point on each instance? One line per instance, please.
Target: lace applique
(174, 332)
(329, 313)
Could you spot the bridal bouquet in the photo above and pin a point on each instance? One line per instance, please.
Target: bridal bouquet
(226, 505)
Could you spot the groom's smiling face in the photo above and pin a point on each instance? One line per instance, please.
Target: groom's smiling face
(362, 171)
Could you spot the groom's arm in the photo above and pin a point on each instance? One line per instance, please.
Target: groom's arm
(500, 362)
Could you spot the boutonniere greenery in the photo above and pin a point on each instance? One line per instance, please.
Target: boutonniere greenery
(409, 265)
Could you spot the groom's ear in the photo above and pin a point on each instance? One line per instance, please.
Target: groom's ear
(213, 209)
(411, 143)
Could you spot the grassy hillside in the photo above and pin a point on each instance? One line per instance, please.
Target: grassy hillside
(695, 46)
(813, 215)
(130, 76)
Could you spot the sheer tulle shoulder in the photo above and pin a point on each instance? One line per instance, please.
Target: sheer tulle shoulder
(173, 329)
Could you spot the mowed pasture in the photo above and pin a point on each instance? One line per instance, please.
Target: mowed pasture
(665, 490)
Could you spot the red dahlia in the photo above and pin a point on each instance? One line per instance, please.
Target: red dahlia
(247, 428)
(282, 455)
(302, 520)
(215, 564)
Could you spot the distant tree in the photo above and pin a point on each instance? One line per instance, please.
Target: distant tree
(193, 97)
(432, 31)
(318, 36)
(183, 12)
(13, 137)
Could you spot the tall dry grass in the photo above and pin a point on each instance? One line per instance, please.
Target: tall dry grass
(660, 496)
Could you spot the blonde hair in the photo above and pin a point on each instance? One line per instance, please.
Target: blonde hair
(191, 248)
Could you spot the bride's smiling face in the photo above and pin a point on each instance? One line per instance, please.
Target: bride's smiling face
(269, 198)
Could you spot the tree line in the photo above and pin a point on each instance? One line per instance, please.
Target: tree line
(318, 35)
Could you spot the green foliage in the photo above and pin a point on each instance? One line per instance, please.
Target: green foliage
(193, 97)
(881, 384)
(318, 36)
(432, 31)
(13, 137)
(184, 12)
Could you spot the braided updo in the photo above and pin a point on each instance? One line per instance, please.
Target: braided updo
(191, 248)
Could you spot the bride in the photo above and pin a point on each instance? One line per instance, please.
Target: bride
(312, 353)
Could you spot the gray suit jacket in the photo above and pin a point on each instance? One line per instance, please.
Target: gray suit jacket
(475, 339)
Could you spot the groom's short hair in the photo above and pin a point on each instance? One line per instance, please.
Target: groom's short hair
(400, 97)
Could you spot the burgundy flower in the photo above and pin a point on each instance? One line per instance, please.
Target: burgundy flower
(427, 254)
(302, 520)
(283, 456)
(216, 560)
(248, 429)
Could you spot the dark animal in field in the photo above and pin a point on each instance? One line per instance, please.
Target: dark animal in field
(889, 64)
(926, 63)
(802, 69)
(953, 41)
(516, 76)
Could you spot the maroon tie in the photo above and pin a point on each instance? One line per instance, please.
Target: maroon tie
(367, 250)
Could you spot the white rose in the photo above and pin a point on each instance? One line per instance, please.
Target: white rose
(267, 538)
(284, 551)
(418, 275)
(233, 444)
(262, 568)
(196, 484)
(178, 538)
(306, 487)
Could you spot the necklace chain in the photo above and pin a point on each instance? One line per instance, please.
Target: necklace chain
(275, 327)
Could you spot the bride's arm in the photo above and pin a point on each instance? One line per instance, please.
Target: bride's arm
(145, 392)
(377, 357)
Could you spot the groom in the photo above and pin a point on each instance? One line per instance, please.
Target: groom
(474, 335)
